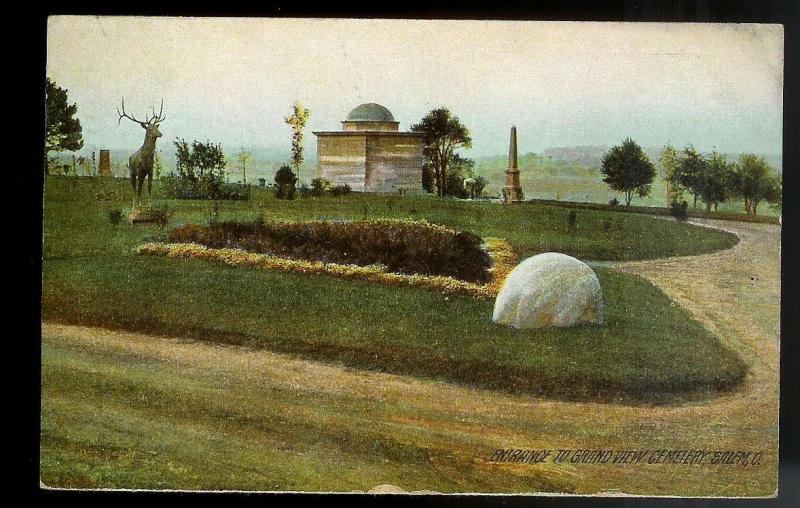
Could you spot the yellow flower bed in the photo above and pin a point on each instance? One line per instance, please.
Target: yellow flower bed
(503, 261)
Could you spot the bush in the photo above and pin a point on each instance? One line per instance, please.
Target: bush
(319, 186)
(680, 211)
(340, 190)
(176, 187)
(403, 247)
(572, 220)
(115, 217)
(614, 202)
(285, 183)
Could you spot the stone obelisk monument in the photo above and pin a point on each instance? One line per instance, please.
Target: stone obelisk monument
(512, 192)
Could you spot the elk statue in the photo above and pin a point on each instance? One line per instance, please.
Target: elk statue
(141, 162)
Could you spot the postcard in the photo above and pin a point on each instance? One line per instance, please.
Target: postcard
(411, 256)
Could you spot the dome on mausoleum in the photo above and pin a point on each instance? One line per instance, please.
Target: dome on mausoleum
(370, 112)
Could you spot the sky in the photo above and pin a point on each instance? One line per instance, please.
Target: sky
(232, 80)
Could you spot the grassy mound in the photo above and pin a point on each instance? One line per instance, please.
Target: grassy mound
(402, 246)
(649, 349)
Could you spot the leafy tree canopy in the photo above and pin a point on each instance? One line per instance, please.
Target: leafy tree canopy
(690, 172)
(200, 161)
(63, 128)
(754, 180)
(297, 121)
(442, 133)
(713, 185)
(627, 169)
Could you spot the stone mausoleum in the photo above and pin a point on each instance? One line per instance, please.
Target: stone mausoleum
(370, 153)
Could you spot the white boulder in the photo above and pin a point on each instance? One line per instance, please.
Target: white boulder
(550, 289)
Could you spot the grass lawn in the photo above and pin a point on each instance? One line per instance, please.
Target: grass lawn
(649, 349)
(181, 417)
(530, 228)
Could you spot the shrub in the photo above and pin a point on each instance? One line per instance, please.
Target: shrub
(614, 202)
(262, 182)
(319, 186)
(572, 220)
(201, 174)
(285, 183)
(403, 247)
(340, 190)
(115, 217)
(176, 187)
(680, 211)
(158, 214)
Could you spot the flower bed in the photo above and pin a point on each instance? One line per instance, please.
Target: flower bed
(499, 253)
(403, 247)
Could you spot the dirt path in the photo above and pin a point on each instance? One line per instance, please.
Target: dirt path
(736, 293)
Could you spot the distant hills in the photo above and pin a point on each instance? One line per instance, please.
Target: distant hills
(567, 162)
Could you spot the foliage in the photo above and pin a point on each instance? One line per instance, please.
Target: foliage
(627, 168)
(572, 220)
(690, 171)
(480, 184)
(669, 165)
(755, 181)
(285, 183)
(242, 158)
(63, 128)
(160, 214)
(680, 211)
(158, 166)
(200, 161)
(340, 190)
(320, 186)
(176, 188)
(403, 247)
(442, 133)
(714, 185)
(503, 261)
(297, 121)
(115, 216)
(201, 174)
(459, 169)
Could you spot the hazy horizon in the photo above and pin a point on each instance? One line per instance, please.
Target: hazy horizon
(232, 80)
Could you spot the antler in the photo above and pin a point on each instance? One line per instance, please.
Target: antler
(155, 120)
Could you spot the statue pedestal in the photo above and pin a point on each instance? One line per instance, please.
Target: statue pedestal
(148, 215)
(513, 195)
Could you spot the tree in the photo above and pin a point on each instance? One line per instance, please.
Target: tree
(285, 182)
(714, 184)
(628, 169)
(690, 172)
(754, 181)
(669, 163)
(297, 121)
(200, 161)
(459, 169)
(242, 158)
(63, 129)
(442, 135)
